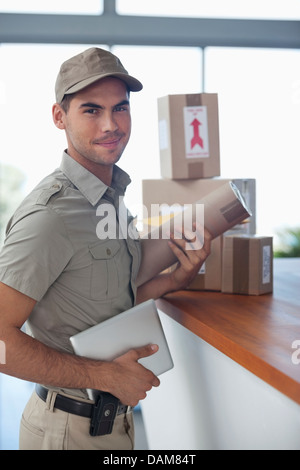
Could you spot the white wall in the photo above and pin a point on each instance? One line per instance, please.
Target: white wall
(210, 402)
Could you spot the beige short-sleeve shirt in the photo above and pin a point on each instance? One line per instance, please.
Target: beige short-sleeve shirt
(57, 252)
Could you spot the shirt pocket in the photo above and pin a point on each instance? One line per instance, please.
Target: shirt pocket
(105, 275)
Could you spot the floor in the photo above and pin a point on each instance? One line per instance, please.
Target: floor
(16, 393)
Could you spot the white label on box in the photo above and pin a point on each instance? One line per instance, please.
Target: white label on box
(202, 269)
(266, 264)
(196, 131)
(163, 134)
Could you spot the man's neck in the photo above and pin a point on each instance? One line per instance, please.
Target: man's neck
(103, 172)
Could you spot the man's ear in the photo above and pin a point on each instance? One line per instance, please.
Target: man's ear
(58, 116)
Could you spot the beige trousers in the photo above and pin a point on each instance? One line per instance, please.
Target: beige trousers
(46, 428)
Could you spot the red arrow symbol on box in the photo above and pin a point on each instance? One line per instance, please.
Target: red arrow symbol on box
(196, 138)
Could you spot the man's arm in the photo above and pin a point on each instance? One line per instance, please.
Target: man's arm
(189, 264)
(29, 359)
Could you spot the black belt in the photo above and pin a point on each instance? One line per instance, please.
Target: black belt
(71, 405)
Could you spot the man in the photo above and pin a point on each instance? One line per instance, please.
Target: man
(60, 278)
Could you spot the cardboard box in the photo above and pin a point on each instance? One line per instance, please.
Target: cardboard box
(189, 136)
(170, 192)
(247, 264)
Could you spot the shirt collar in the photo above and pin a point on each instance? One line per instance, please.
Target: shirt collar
(91, 187)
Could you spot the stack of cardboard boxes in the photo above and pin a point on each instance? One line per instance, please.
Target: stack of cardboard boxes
(240, 261)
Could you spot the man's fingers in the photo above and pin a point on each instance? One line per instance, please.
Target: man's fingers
(138, 353)
(145, 351)
(192, 240)
(133, 355)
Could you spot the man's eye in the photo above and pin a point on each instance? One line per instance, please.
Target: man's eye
(120, 108)
(91, 111)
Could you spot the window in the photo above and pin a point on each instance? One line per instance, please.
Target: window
(259, 105)
(71, 7)
(250, 9)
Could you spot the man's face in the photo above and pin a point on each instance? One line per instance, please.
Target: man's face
(98, 123)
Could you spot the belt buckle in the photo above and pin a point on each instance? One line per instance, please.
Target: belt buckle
(123, 409)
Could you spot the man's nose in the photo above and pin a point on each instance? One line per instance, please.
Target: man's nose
(108, 123)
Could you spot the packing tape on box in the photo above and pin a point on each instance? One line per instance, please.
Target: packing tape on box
(240, 266)
(222, 210)
(247, 264)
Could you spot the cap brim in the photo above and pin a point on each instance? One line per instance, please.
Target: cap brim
(132, 83)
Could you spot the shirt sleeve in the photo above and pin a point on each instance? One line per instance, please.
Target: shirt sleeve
(36, 250)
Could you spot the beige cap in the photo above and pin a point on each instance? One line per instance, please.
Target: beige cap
(88, 67)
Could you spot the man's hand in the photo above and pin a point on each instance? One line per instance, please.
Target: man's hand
(191, 250)
(129, 380)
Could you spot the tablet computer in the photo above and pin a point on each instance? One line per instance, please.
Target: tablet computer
(133, 328)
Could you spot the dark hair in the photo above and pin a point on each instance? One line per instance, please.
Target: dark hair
(65, 104)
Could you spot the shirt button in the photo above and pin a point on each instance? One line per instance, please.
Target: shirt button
(108, 251)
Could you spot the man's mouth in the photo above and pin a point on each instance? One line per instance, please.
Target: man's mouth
(109, 142)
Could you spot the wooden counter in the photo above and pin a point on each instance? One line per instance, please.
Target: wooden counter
(255, 331)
